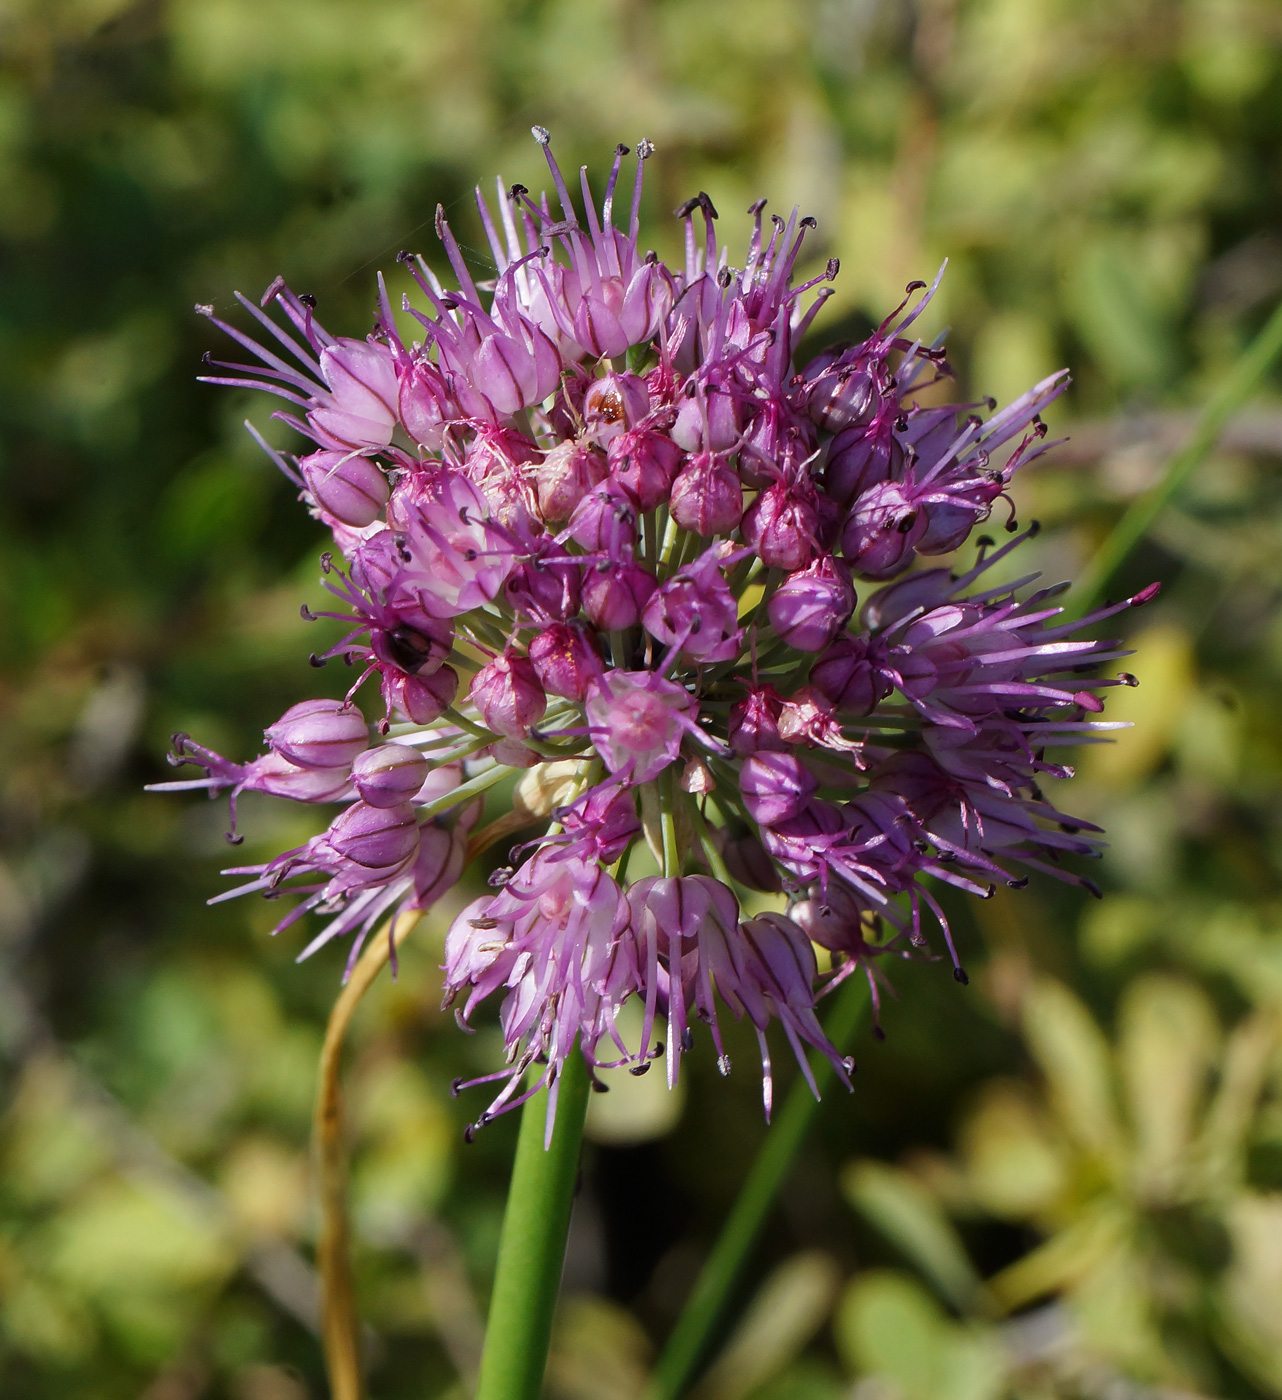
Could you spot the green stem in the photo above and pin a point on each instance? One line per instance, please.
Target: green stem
(532, 1243)
(712, 1289)
(1254, 363)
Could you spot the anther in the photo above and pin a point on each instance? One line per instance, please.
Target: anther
(834, 267)
(687, 1040)
(541, 134)
(1127, 679)
(645, 149)
(500, 877)
(1018, 884)
(314, 660)
(959, 975)
(306, 613)
(456, 1087)
(723, 1065)
(809, 222)
(638, 1070)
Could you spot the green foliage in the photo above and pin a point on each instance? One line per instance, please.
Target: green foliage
(1104, 180)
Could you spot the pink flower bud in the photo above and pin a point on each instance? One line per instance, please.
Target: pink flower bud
(645, 464)
(605, 521)
(350, 488)
(540, 591)
(707, 497)
(360, 409)
(568, 472)
(614, 404)
(319, 734)
(782, 525)
(423, 405)
(849, 675)
(375, 838)
(566, 658)
(508, 696)
(710, 423)
(810, 607)
(421, 699)
(389, 775)
(775, 786)
(615, 594)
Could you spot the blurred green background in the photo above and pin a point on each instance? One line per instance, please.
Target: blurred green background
(1063, 1181)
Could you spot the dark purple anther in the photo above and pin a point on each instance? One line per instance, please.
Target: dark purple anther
(508, 696)
(810, 607)
(566, 658)
(389, 775)
(319, 734)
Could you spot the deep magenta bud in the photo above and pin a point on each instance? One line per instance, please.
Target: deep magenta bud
(861, 457)
(605, 521)
(707, 497)
(566, 658)
(845, 386)
(389, 775)
(775, 786)
(754, 721)
(881, 535)
(810, 607)
(568, 472)
(614, 404)
(319, 734)
(782, 525)
(543, 591)
(508, 696)
(421, 699)
(615, 594)
(350, 488)
(645, 464)
(360, 409)
(848, 675)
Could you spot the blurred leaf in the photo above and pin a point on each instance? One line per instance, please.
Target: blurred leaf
(910, 1217)
(791, 1305)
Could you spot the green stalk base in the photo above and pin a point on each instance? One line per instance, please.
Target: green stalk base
(532, 1243)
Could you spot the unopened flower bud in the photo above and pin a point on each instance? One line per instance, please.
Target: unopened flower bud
(775, 786)
(709, 423)
(389, 775)
(319, 734)
(810, 607)
(754, 721)
(645, 464)
(539, 590)
(881, 534)
(782, 524)
(347, 487)
(615, 594)
(849, 677)
(844, 386)
(568, 472)
(707, 497)
(605, 521)
(614, 404)
(749, 862)
(423, 405)
(861, 457)
(508, 696)
(566, 658)
(421, 699)
(376, 838)
(360, 409)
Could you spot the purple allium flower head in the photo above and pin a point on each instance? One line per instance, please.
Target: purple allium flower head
(600, 501)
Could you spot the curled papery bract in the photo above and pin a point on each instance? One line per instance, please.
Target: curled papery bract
(637, 721)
